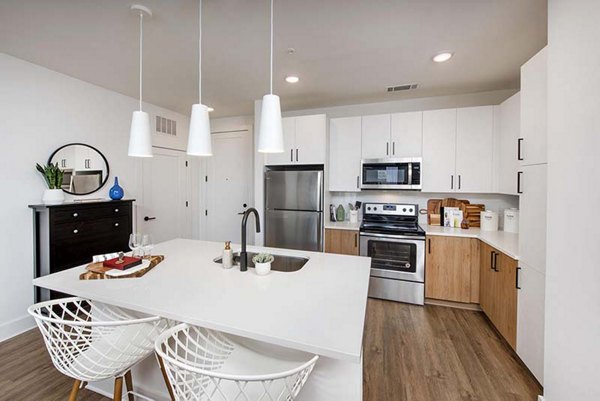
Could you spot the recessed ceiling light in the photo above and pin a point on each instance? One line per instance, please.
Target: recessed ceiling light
(210, 109)
(441, 57)
(292, 79)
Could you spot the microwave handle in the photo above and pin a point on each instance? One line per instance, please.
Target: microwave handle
(410, 167)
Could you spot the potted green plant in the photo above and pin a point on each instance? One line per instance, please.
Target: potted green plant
(54, 178)
(262, 263)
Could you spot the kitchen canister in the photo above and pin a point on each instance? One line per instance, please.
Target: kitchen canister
(489, 221)
(511, 220)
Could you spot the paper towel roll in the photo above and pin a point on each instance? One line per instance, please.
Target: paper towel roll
(489, 221)
(511, 220)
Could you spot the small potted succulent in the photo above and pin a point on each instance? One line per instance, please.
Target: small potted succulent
(262, 263)
(54, 178)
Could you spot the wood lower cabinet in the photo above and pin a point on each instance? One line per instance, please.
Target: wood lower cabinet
(498, 291)
(341, 241)
(449, 265)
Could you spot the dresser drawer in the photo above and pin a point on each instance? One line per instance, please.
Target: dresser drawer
(89, 212)
(70, 253)
(92, 229)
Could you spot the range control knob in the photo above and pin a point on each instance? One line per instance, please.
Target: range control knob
(375, 208)
(369, 208)
(404, 210)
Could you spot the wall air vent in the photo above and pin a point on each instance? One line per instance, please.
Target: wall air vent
(399, 88)
(166, 126)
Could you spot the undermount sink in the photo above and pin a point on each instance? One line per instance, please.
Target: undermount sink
(281, 263)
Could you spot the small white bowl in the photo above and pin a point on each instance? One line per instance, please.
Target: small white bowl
(262, 269)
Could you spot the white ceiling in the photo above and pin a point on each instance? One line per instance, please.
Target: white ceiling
(347, 51)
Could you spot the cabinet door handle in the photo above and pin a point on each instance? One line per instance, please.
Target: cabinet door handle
(519, 141)
(116, 224)
(296, 154)
(517, 278)
(355, 240)
(496, 261)
(75, 214)
(394, 147)
(387, 148)
(75, 231)
(492, 260)
(358, 182)
(116, 210)
(519, 173)
(459, 183)
(451, 182)
(429, 245)
(291, 155)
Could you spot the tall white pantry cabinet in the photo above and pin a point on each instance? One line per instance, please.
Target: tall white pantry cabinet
(532, 188)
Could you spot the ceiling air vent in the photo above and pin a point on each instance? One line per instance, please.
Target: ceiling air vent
(166, 126)
(399, 88)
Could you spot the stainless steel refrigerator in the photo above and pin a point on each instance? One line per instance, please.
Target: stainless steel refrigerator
(294, 209)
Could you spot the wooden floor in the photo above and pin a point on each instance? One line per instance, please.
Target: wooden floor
(411, 353)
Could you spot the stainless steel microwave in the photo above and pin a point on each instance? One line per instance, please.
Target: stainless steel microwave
(391, 173)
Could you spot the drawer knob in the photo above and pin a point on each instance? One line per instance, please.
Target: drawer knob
(75, 214)
(116, 210)
(116, 224)
(75, 231)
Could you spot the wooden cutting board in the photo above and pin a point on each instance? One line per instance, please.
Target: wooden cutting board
(95, 271)
(472, 214)
(434, 205)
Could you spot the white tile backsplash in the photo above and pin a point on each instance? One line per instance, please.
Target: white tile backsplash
(495, 202)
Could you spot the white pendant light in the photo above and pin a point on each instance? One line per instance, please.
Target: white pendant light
(199, 139)
(270, 137)
(140, 138)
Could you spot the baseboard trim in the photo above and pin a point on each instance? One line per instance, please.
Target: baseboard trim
(451, 304)
(138, 389)
(15, 327)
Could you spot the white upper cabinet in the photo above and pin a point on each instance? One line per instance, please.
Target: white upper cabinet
(344, 154)
(311, 139)
(439, 150)
(376, 132)
(533, 110)
(508, 134)
(407, 134)
(304, 141)
(474, 147)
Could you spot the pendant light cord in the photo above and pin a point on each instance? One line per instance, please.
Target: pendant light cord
(141, 54)
(199, 51)
(271, 84)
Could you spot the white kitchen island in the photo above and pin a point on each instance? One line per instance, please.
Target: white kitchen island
(319, 309)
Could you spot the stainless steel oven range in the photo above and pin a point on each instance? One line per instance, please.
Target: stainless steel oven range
(390, 235)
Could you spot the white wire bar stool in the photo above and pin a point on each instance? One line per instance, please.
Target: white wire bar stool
(205, 365)
(90, 341)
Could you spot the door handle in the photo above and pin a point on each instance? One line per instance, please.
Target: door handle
(296, 154)
(492, 260)
(496, 261)
(358, 182)
(459, 181)
(519, 141)
(149, 218)
(291, 155)
(356, 240)
(519, 173)
(387, 148)
(451, 182)
(517, 278)
(429, 247)
(394, 148)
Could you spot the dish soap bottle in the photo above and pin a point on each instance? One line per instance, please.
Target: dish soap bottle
(340, 213)
(227, 260)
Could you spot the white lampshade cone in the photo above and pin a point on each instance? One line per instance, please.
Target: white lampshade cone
(270, 139)
(140, 137)
(199, 139)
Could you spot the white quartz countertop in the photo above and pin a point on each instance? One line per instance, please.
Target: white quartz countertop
(318, 309)
(342, 225)
(505, 242)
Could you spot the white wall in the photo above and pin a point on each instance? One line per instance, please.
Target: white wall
(429, 103)
(41, 110)
(572, 347)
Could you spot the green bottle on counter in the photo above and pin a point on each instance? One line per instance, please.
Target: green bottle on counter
(340, 213)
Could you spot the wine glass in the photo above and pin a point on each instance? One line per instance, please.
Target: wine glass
(135, 243)
(147, 245)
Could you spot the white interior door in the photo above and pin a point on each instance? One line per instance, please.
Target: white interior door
(228, 186)
(162, 210)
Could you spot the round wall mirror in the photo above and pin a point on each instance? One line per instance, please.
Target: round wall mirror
(85, 168)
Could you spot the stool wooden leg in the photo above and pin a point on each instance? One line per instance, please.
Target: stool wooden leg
(118, 393)
(75, 390)
(165, 377)
(129, 385)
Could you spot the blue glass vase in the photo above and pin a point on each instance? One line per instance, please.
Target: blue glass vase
(116, 192)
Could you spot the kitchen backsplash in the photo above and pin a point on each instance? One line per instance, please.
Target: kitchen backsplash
(495, 202)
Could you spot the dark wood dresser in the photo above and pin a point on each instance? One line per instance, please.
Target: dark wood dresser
(69, 234)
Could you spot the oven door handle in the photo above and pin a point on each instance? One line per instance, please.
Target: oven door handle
(400, 238)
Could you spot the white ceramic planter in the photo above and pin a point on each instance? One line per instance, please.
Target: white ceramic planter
(53, 197)
(262, 269)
